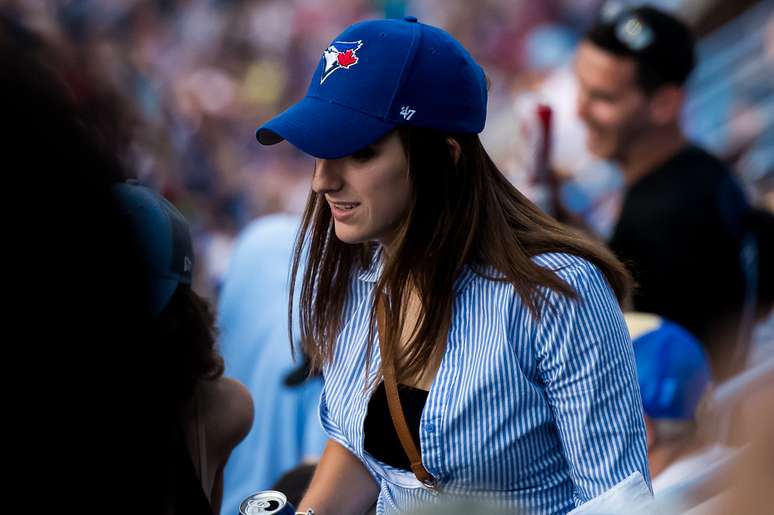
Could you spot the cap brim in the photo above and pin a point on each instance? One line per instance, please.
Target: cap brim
(323, 129)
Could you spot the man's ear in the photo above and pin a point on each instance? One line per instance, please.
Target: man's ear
(666, 104)
(455, 149)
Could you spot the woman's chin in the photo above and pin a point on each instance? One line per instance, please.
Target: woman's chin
(349, 235)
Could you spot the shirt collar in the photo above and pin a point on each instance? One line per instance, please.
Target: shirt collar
(372, 272)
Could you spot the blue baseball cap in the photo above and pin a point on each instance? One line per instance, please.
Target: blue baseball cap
(672, 367)
(378, 75)
(163, 239)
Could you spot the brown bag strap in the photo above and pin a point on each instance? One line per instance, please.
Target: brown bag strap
(396, 410)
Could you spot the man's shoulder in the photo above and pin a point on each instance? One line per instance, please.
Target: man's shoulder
(701, 155)
(699, 166)
(715, 186)
(691, 182)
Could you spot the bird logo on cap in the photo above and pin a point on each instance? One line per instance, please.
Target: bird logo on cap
(340, 54)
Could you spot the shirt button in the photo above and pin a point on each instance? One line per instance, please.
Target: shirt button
(430, 428)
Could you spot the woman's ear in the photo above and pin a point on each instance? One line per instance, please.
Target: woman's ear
(454, 149)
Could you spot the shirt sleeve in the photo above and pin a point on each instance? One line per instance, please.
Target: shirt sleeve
(586, 361)
(335, 433)
(329, 425)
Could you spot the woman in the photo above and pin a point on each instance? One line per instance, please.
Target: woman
(502, 327)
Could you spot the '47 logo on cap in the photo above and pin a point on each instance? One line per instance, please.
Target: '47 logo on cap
(340, 54)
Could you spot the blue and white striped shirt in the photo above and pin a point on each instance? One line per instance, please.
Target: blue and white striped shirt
(540, 416)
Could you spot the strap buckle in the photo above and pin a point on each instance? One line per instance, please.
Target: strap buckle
(431, 484)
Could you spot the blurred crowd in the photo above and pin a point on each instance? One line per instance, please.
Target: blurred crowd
(195, 77)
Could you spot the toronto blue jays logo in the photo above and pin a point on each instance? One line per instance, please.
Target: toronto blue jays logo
(340, 54)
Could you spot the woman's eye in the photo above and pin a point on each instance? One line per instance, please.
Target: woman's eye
(364, 154)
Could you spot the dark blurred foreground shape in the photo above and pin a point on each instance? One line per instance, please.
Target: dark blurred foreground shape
(98, 403)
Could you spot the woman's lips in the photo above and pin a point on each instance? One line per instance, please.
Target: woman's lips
(343, 210)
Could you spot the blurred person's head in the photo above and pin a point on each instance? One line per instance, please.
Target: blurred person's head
(631, 72)
(184, 324)
(674, 376)
(163, 238)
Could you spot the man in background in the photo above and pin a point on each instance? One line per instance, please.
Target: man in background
(682, 226)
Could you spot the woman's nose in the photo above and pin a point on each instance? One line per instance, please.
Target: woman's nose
(326, 177)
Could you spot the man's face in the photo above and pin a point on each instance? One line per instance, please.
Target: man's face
(610, 103)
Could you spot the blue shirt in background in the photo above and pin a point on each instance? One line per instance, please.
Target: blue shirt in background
(252, 316)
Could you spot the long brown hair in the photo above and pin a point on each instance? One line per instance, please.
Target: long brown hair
(461, 213)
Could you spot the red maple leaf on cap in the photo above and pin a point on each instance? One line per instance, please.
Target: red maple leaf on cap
(347, 59)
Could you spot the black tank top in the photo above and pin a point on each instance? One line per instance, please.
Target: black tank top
(381, 440)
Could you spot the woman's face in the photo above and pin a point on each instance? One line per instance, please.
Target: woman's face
(368, 192)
